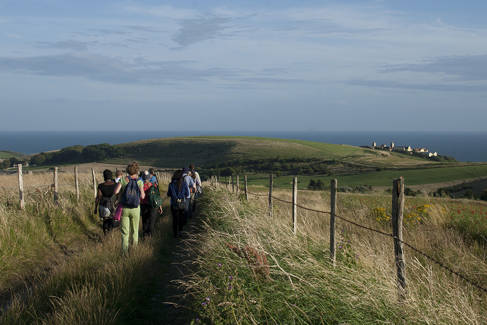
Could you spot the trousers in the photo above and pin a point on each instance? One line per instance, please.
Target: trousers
(129, 223)
(149, 216)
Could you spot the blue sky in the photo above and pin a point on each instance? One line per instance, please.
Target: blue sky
(243, 65)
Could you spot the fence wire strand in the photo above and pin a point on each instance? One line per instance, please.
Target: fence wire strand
(445, 267)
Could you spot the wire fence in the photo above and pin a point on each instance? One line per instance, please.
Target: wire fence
(386, 234)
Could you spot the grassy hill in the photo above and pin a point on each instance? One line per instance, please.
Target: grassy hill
(257, 157)
(10, 154)
(206, 151)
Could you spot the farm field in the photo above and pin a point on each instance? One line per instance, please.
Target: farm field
(383, 178)
(73, 274)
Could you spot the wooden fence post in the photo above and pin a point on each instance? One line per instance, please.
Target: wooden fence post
(21, 187)
(76, 182)
(271, 181)
(333, 208)
(94, 182)
(228, 183)
(397, 218)
(56, 188)
(237, 184)
(216, 181)
(295, 201)
(245, 187)
(233, 184)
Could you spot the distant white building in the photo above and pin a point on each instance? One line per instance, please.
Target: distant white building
(406, 149)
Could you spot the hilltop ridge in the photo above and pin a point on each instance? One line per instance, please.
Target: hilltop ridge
(206, 151)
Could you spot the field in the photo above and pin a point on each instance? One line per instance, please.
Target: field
(302, 286)
(57, 268)
(383, 178)
(419, 176)
(9, 154)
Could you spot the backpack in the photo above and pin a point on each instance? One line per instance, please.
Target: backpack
(131, 195)
(107, 206)
(155, 199)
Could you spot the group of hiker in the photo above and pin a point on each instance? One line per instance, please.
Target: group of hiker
(123, 200)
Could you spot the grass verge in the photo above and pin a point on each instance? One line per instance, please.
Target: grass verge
(231, 285)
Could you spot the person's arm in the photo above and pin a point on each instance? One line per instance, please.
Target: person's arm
(188, 193)
(117, 188)
(142, 192)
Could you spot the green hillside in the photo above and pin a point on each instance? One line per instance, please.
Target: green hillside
(10, 154)
(209, 151)
(257, 157)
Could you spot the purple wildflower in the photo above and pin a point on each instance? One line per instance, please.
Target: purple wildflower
(207, 298)
(203, 303)
(230, 287)
(219, 265)
(230, 277)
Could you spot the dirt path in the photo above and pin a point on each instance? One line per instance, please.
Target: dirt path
(169, 303)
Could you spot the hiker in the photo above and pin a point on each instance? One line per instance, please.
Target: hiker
(196, 177)
(153, 177)
(150, 206)
(132, 191)
(105, 201)
(192, 189)
(118, 176)
(178, 191)
(197, 180)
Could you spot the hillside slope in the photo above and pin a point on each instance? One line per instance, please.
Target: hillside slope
(207, 151)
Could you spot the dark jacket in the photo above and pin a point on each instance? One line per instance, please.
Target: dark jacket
(174, 193)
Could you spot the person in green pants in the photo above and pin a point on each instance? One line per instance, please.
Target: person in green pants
(131, 205)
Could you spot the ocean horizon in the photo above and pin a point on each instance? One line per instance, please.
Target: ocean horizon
(463, 146)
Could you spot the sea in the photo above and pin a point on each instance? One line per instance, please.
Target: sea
(463, 146)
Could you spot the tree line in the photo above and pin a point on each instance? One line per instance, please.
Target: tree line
(78, 154)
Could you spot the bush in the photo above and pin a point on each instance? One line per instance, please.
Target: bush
(316, 185)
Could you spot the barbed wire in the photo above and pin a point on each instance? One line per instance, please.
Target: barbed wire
(383, 233)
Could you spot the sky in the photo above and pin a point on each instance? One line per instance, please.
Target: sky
(250, 65)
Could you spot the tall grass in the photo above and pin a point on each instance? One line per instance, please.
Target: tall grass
(71, 274)
(58, 268)
(44, 233)
(303, 287)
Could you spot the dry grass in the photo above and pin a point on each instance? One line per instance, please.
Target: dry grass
(73, 277)
(57, 268)
(305, 288)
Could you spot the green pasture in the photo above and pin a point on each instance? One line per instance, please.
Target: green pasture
(382, 178)
(9, 154)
